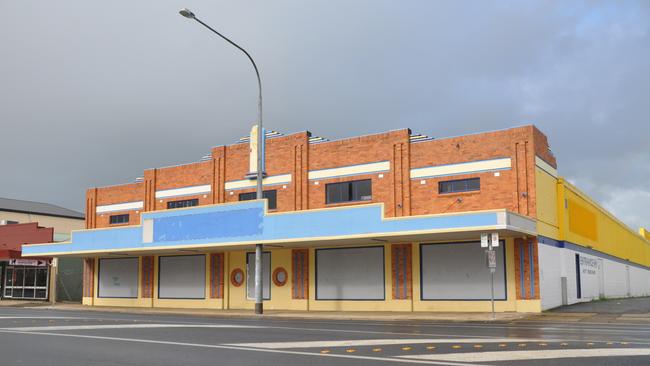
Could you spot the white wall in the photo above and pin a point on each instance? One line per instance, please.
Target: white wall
(550, 273)
(598, 276)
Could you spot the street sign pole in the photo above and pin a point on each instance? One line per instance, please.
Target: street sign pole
(491, 250)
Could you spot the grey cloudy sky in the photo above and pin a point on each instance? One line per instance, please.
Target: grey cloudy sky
(91, 93)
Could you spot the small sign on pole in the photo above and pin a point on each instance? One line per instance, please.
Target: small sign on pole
(492, 260)
(494, 239)
(484, 240)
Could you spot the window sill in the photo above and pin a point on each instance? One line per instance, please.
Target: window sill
(348, 203)
(452, 194)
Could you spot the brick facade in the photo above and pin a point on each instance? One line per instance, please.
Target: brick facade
(512, 189)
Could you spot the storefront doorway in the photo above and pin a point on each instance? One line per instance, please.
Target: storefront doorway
(26, 282)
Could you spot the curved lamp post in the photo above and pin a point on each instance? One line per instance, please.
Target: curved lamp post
(259, 308)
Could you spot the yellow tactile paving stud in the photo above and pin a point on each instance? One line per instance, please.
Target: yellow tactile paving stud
(542, 344)
(431, 347)
(589, 343)
(609, 343)
(350, 350)
(478, 346)
(625, 343)
(522, 345)
(564, 344)
(502, 345)
(325, 351)
(456, 346)
(407, 348)
(376, 349)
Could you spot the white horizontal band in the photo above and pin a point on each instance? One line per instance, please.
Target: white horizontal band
(185, 191)
(461, 168)
(382, 166)
(268, 181)
(540, 163)
(126, 206)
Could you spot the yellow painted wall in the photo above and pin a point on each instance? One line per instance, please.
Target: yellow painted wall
(388, 304)
(548, 220)
(644, 233)
(511, 304)
(280, 295)
(103, 301)
(235, 297)
(584, 222)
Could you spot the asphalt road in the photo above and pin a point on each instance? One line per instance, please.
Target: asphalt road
(33, 336)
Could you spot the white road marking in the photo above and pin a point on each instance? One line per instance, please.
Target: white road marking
(379, 342)
(40, 317)
(285, 352)
(124, 326)
(532, 355)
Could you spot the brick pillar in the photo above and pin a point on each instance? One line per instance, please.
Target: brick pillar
(218, 174)
(88, 277)
(401, 269)
(149, 190)
(91, 208)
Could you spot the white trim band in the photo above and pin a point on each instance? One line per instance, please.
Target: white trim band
(378, 167)
(540, 163)
(462, 168)
(248, 183)
(126, 206)
(185, 191)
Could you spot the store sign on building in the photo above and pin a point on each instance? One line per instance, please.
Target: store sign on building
(28, 262)
(588, 265)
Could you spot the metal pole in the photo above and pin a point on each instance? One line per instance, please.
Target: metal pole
(259, 307)
(492, 283)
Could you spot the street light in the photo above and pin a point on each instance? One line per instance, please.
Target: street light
(259, 309)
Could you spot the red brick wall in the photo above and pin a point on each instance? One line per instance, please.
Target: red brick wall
(13, 236)
(513, 189)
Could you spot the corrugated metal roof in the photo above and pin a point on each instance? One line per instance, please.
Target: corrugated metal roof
(8, 204)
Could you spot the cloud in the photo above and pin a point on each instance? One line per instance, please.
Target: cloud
(91, 94)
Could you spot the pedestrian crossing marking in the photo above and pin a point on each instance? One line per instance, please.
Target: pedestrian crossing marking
(378, 342)
(497, 356)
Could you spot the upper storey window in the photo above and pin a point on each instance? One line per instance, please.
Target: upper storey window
(183, 203)
(358, 190)
(460, 185)
(119, 219)
(271, 195)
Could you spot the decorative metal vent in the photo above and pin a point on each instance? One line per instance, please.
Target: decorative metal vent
(418, 137)
(269, 135)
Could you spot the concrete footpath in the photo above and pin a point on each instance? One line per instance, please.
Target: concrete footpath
(282, 314)
(634, 310)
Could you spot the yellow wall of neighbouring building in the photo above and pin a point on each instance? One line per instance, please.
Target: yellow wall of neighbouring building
(584, 222)
(548, 220)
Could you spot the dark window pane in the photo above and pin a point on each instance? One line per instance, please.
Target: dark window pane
(30, 277)
(29, 293)
(17, 293)
(41, 294)
(271, 195)
(119, 219)
(10, 277)
(183, 203)
(41, 277)
(8, 292)
(362, 190)
(462, 185)
(18, 276)
(337, 192)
